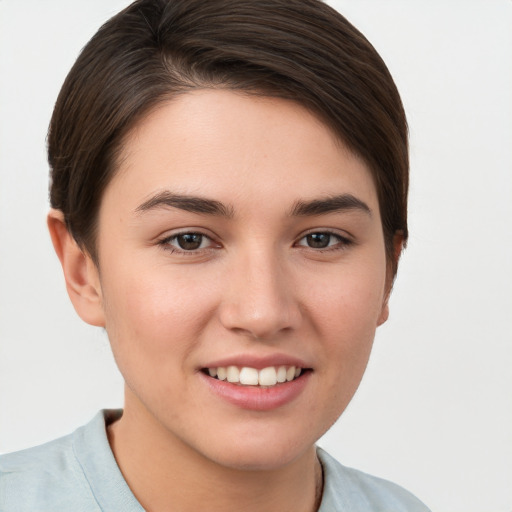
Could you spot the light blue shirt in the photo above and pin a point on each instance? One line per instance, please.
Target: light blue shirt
(78, 473)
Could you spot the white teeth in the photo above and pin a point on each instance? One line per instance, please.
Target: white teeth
(247, 376)
(233, 374)
(268, 376)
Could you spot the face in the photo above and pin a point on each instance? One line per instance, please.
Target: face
(242, 275)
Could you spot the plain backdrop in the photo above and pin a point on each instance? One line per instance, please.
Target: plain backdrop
(434, 411)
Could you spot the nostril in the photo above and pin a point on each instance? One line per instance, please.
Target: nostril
(259, 324)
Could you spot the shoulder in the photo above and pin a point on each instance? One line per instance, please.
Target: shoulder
(352, 490)
(45, 478)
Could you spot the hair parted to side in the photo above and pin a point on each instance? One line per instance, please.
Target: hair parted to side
(153, 50)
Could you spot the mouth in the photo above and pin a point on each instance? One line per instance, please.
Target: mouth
(246, 376)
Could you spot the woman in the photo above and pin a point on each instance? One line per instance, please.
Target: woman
(229, 192)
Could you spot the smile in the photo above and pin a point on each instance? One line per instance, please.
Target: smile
(247, 376)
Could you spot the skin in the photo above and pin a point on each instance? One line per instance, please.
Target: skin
(253, 288)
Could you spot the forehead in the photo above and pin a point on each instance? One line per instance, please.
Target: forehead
(236, 147)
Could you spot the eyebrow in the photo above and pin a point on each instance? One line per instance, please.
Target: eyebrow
(204, 206)
(192, 204)
(333, 204)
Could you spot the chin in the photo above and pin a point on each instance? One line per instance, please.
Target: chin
(242, 459)
(259, 451)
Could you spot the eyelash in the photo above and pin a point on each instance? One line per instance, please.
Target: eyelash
(341, 242)
(166, 243)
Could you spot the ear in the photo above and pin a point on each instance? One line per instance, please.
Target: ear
(398, 245)
(80, 272)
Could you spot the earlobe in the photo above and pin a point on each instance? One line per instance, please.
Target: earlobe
(398, 245)
(384, 314)
(80, 272)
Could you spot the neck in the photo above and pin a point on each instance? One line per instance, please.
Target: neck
(161, 470)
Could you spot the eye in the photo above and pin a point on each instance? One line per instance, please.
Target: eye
(323, 240)
(187, 242)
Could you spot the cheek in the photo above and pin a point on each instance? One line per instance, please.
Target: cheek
(148, 313)
(345, 313)
(347, 303)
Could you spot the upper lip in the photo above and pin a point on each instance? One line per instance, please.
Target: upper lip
(257, 362)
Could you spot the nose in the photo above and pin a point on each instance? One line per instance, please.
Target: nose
(260, 299)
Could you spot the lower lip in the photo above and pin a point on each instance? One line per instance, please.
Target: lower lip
(256, 398)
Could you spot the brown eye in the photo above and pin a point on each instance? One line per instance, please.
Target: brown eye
(324, 240)
(318, 240)
(189, 241)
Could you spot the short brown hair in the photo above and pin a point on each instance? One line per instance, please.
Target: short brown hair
(301, 50)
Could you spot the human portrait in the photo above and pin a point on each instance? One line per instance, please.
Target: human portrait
(228, 215)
